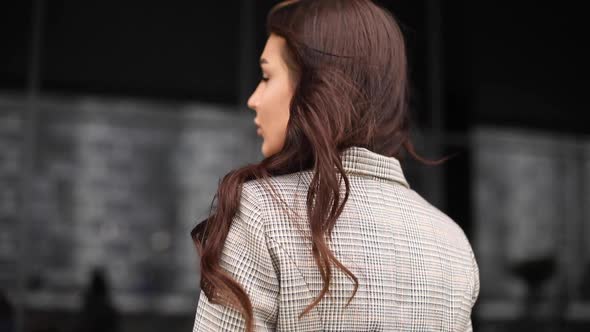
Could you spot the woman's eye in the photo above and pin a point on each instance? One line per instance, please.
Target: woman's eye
(264, 78)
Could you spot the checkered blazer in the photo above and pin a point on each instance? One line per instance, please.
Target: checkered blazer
(415, 266)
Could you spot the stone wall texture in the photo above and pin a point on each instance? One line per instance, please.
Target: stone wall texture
(116, 184)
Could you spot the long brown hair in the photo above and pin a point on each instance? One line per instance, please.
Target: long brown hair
(347, 59)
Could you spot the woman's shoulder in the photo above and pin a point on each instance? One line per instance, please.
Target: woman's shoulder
(284, 184)
(277, 195)
(444, 225)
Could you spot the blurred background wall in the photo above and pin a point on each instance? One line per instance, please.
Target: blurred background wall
(117, 120)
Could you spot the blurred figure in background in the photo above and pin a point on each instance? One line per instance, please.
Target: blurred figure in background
(6, 314)
(98, 313)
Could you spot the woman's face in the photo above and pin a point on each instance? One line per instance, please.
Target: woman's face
(272, 96)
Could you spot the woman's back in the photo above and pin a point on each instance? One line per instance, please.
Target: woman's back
(415, 266)
(334, 76)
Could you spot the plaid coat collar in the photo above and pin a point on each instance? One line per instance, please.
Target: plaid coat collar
(362, 161)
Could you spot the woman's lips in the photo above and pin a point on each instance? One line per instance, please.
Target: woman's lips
(258, 130)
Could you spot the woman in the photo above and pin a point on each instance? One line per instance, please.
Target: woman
(325, 234)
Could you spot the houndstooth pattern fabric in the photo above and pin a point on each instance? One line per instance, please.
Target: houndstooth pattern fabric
(415, 266)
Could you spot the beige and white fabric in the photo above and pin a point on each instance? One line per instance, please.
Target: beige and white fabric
(415, 266)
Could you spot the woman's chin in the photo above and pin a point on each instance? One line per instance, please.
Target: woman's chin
(263, 150)
(267, 150)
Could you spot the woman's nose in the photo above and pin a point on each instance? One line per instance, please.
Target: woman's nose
(251, 104)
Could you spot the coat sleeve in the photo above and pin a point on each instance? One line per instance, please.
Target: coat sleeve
(476, 286)
(246, 258)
